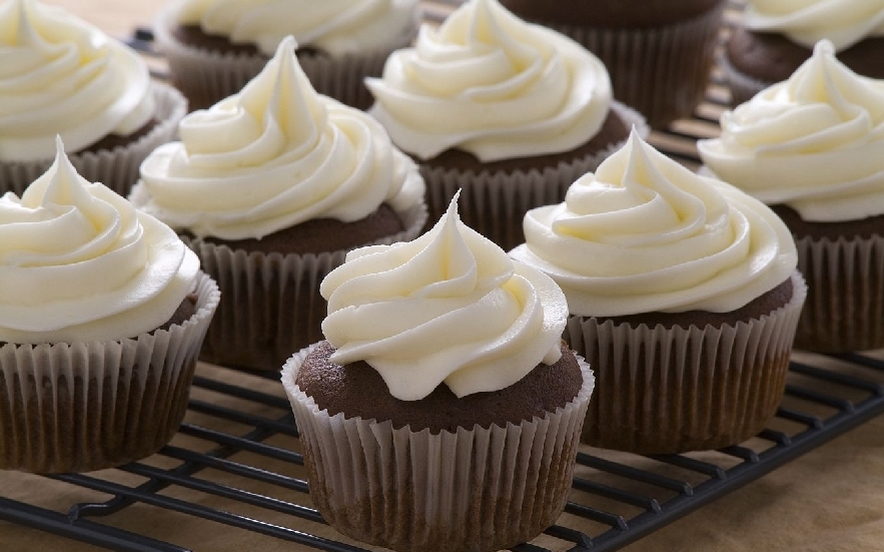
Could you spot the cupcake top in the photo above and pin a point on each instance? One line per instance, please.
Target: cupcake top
(272, 156)
(336, 27)
(61, 76)
(493, 85)
(449, 306)
(644, 234)
(79, 263)
(805, 22)
(814, 142)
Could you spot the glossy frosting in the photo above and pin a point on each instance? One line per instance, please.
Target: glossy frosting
(79, 263)
(273, 156)
(645, 234)
(62, 76)
(334, 26)
(844, 22)
(488, 83)
(814, 142)
(448, 307)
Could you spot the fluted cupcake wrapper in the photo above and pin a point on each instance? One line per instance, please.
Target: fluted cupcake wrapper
(660, 71)
(117, 168)
(87, 406)
(471, 490)
(662, 391)
(494, 203)
(272, 306)
(743, 87)
(845, 303)
(207, 77)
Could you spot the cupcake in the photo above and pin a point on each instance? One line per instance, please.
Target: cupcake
(102, 313)
(774, 39)
(658, 52)
(442, 406)
(271, 187)
(811, 147)
(60, 76)
(508, 112)
(683, 297)
(214, 47)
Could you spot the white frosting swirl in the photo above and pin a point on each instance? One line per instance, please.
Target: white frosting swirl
(337, 27)
(844, 22)
(448, 307)
(488, 83)
(79, 263)
(645, 234)
(62, 76)
(275, 155)
(814, 142)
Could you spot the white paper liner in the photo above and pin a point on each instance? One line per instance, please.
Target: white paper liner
(207, 77)
(87, 406)
(660, 71)
(743, 87)
(473, 490)
(663, 391)
(272, 306)
(494, 203)
(118, 168)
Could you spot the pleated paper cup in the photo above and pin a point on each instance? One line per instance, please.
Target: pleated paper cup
(664, 391)
(473, 490)
(272, 306)
(117, 168)
(206, 77)
(742, 86)
(87, 406)
(494, 203)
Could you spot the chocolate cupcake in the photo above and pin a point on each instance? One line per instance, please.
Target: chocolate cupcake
(103, 313)
(683, 296)
(271, 187)
(658, 52)
(773, 41)
(508, 112)
(811, 147)
(64, 77)
(214, 48)
(443, 406)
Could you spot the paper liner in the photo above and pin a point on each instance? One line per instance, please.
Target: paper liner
(272, 306)
(494, 203)
(473, 490)
(117, 168)
(661, 71)
(663, 391)
(743, 87)
(87, 406)
(207, 77)
(845, 303)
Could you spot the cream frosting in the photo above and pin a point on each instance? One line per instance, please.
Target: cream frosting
(79, 263)
(337, 27)
(814, 142)
(645, 234)
(844, 22)
(493, 85)
(275, 155)
(449, 306)
(61, 76)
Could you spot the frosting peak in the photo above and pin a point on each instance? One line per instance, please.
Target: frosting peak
(844, 22)
(447, 307)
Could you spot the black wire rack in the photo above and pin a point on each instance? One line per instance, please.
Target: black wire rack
(239, 446)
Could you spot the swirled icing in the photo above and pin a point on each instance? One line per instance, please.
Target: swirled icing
(645, 234)
(79, 263)
(488, 83)
(844, 22)
(275, 155)
(62, 76)
(447, 307)
(814, 142)
(334, 26)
